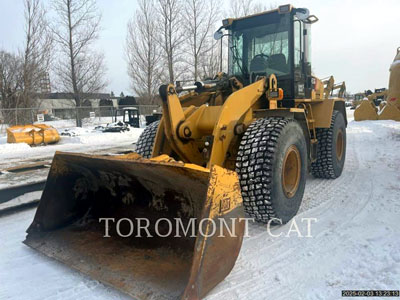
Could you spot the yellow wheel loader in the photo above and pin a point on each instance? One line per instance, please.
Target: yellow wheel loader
(242, 142)
(391, 111)
(367, 110)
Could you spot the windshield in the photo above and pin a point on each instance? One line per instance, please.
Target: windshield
(261, 49)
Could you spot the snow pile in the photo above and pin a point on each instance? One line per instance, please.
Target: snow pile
(13, 148)
(75, 131)
(112, 138)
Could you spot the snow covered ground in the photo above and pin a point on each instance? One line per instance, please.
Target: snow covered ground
(354, 245)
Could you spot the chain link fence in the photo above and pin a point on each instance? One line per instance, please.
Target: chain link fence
(66, 117)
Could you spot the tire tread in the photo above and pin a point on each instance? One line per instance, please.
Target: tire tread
(323, 166)
(144, 145)
(255, 166)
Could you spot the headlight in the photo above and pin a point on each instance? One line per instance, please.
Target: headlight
(283, 9)
(225, 22)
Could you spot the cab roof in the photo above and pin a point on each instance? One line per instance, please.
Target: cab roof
(283, 9)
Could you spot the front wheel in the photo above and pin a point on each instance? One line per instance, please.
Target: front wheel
(271, 164)
(145, 143)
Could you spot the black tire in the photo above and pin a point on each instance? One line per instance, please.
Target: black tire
(144, 145)
(330, 160)
(262, 152)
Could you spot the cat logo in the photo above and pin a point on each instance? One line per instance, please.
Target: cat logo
(224, 205)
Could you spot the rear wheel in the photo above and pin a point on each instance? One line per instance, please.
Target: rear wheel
(331, 151)
(144, 145)
(271, 164)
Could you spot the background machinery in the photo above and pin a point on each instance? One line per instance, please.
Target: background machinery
(130, 115)
(155, 116)
(368, 104)
(130, 118)
(242, 142)
(367, 110)
(357, 98)
(391, 111)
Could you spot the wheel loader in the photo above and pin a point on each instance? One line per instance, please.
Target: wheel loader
(237, 146)
(367, 110)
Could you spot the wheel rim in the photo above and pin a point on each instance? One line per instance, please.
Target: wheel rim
(339, 145)
(291, 171)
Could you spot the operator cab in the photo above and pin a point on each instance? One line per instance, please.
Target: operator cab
(131, 116)
(273, 42)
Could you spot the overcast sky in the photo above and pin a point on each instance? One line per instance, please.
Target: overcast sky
(354, 40)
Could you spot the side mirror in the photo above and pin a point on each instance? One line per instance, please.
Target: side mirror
(302, 13)
(218, 34)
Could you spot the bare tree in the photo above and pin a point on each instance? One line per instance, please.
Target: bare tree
(261, 6)
(11, 83)
(170, 35)
(210, 61)
(80, 70)
(22, 74)
(143, 53)
(37, 52)
(240, 8)
(200, 17)
(11, 79)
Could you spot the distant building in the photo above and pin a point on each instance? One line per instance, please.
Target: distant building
(62, 104)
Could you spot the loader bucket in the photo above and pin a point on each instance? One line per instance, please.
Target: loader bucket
(171, 264)
(365, 111)
(390, 112)
(32, 134)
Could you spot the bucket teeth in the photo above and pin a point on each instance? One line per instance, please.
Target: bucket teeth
(365, 111)
(390, 112)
